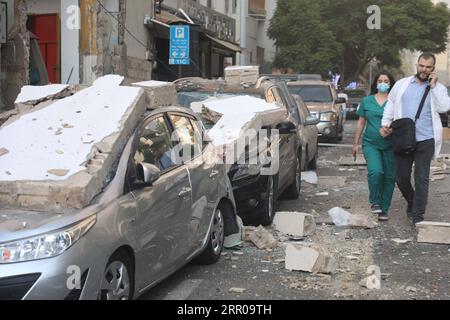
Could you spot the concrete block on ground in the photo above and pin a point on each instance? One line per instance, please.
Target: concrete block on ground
(312, 258)
(262, 238)
(295, 223)
(241, 74)
(159, 94)
(342, 218)
(433, 232)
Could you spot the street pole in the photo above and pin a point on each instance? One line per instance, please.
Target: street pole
(243, 44)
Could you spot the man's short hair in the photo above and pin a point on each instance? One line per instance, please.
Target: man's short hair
(427, 56)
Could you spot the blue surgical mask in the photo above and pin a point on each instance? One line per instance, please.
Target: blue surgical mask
(383, 87)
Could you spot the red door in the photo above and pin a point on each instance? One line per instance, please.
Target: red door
(45, 27)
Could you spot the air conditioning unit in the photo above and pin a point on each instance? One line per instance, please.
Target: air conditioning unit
(3, 22)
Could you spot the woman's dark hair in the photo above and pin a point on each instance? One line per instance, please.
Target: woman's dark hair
(374, 88)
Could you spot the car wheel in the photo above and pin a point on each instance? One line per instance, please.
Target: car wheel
(118, 280)
(214, 248)
(293, 191)
(265, 217)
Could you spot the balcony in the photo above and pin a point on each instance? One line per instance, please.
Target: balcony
(257, 9)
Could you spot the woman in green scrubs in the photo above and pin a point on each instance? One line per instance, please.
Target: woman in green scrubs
(376, 149)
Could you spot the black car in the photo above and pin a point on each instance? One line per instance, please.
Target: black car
(255, 194)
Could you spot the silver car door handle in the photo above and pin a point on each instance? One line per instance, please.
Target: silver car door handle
(185, 192)
(214, 174)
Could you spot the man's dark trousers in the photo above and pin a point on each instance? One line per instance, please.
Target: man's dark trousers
(417, 199)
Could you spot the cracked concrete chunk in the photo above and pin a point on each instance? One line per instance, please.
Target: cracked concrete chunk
(343, 218)
(262, 238)
(313, 258)
(237, 290)
(296, 224)
(309, 177)
(433, 232)
(374, 280)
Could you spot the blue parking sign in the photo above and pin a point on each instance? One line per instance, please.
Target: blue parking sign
(179, 45)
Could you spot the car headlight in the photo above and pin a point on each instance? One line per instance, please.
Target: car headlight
(246, 170)
(328, 116)
(46, 245)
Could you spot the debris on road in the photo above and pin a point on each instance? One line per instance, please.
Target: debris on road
(310, 177)
(433, 232)
(402, 241)
(373, 281)
(410, 289)
(343, 218)
(295, 224)
(322, 194)
(262, 238)
(3, 151)
(237, 290)
(314, 258)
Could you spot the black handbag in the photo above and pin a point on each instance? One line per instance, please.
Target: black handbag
(404, 131)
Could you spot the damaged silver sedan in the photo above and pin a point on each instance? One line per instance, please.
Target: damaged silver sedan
(154, 216)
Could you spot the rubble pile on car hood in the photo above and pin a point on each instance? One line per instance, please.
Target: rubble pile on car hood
(60, 156)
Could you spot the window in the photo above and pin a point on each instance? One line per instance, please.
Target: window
(234, 6)
(187, 140)
(154, 146)
(313, 93)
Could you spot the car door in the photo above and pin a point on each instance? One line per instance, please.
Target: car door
(287, 146)
(164, 207)
(202, 172)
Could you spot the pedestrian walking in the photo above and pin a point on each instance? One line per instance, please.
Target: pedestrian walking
(419, 98)
(377, 149)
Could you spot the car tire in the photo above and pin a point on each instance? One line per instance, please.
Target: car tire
(267, 213)
(214, 248)
(293, 191)
(118, 278)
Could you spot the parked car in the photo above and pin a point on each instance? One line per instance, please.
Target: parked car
(153, 217)
(256, 194)
(355, 97)
(309, 135)
(323, 103)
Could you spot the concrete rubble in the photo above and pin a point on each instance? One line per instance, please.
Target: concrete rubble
(309, 258)
(262, 238)
(342, 218)
(295, 223)
(310, 177)
(373, 281)
(159, 93)
(57, 191)
(433, 232)
(241, 74)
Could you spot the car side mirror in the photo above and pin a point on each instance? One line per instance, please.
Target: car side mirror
(312, 121)
(286, 128)
(147, 174)
(340, 100)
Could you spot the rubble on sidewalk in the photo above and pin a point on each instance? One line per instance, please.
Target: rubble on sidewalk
(402, 241)
(342, 218)
(373, 281)
(296, 224)
(433, 232)
(308, 258)
(46, 171)
(310, 177)
(262, 238)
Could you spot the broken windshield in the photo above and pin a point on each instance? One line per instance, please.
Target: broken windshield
(313, 93)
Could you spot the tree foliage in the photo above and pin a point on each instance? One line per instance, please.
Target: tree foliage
(316, 36)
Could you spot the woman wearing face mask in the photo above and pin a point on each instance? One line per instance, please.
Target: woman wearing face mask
(376, 149)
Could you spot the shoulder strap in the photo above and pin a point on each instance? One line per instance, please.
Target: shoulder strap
(422, 103)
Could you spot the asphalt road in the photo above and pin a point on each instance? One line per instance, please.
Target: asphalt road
(409, 271)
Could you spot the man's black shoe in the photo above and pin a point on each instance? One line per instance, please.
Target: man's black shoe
(418, 219)
(383, 216)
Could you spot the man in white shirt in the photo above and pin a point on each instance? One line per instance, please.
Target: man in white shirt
(403, 102)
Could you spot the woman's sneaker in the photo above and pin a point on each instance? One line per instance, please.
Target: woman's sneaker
(376, 209)
(383, 216)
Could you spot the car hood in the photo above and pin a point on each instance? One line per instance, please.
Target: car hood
(321, 107)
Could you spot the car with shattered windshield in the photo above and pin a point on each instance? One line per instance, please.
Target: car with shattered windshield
(255, 193)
